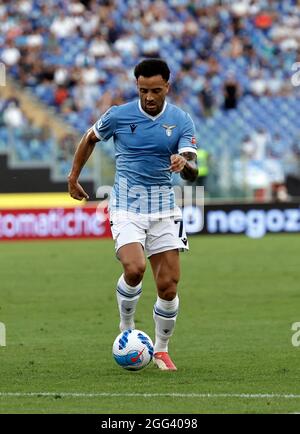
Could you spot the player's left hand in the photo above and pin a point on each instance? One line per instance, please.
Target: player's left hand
(177, 163)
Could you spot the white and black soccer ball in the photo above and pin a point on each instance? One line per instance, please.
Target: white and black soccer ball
(133, 350)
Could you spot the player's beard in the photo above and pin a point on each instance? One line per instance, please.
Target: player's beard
(153, 108)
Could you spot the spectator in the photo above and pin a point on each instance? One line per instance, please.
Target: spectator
(274, 169)
(232, 92)
(12, 115)
(10, 55)
(63, 26)
(292, 170)
(61, 94)
(207, 99)
(262, 140)
(99, 48)
(259, 84)
(248, 148)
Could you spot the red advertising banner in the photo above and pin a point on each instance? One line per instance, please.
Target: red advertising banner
(54, 223)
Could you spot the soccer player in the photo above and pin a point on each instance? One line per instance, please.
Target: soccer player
(152, 140)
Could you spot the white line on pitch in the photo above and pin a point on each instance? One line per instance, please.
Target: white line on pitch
(151, 395)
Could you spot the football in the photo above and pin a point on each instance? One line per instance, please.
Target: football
(133, 350)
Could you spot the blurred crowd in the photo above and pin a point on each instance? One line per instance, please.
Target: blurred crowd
(269, 167)
(18, 132)
(30, 142)
(78, 56)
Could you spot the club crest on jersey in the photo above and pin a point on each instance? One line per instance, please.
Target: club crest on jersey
(169, 129)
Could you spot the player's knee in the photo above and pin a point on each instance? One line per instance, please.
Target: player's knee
(134, 272)
(167, 288)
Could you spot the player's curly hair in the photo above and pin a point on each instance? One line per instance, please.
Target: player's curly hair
(151, 67)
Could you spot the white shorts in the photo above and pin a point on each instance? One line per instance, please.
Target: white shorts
(155, 235)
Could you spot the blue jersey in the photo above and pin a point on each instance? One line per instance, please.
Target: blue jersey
(143, 146)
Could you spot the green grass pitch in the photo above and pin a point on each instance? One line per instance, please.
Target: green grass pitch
(239, 298)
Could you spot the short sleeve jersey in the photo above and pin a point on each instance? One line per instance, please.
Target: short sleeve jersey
(143, 146)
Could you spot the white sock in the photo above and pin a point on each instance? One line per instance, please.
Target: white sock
(164, 315)
(127, 297)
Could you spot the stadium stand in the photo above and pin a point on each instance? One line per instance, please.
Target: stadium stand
(77, 57)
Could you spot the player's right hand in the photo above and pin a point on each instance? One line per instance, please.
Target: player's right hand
(76, 191)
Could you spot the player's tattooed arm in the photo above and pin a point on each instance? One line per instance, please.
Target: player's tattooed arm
(186, 165)
(82, 154)
(190, 170)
